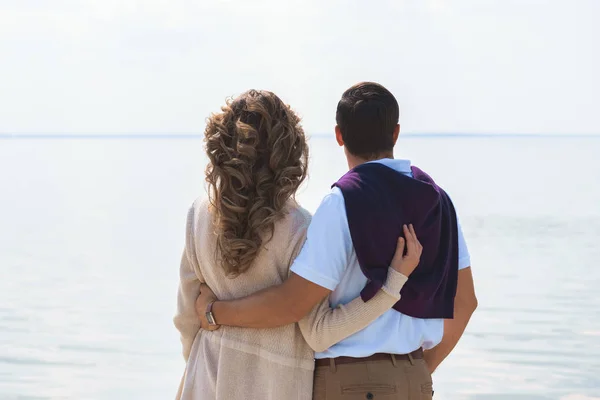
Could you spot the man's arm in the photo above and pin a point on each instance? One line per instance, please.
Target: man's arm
(465, 304)
(275, 306)
(316, 271)
(292, 300)
(325, 326)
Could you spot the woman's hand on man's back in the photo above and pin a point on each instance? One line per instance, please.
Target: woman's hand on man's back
(408, 252)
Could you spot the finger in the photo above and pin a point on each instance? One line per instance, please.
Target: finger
(410, 241)
(414, 235)
(399, 249)
(419, 249)
(412, 230)
(416, 239)
(406, 233)
(416, 247)
(407, 240)
(400, 245)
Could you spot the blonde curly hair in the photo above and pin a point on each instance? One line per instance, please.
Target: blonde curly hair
(258, 157)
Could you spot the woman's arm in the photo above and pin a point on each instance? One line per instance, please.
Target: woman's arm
(186, 321)
(294, 299)
(323, 326)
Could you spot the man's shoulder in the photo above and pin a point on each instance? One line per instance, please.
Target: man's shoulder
(333, 199)
(332, 207)
(324, 256)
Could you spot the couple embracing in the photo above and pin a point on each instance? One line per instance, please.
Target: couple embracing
(362, 301)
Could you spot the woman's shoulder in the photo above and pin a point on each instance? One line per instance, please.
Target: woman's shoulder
(294, 222)
(290, 231)
(294, 214)
(200, 217)
(200, 209)
(296, 217)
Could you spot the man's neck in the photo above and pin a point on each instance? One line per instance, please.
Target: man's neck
(355, 161)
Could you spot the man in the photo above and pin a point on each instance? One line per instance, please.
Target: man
(349, 245)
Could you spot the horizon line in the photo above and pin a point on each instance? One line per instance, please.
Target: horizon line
(318, 135)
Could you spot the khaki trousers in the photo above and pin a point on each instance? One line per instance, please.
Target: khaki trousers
(374, 380)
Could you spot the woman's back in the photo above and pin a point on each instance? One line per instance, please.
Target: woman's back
(241, 241)
(272, 262)
(270, 268)
(236, 363)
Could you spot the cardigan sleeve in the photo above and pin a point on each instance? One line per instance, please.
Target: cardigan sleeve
(325, 326)
(186, 321)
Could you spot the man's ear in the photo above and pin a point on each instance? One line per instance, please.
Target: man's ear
(338, 135)
(396, 133)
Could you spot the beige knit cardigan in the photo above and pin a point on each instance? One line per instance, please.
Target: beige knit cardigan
(238, 363)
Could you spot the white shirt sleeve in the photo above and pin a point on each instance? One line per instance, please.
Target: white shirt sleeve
(324, 256)
(464, 258)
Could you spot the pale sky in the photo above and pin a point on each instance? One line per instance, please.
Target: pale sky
(160, 66)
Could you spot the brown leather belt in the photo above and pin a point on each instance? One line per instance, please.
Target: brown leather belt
(417, 355)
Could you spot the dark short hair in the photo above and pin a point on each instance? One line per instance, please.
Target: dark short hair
(367, 115)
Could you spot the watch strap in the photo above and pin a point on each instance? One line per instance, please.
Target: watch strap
(209, 314)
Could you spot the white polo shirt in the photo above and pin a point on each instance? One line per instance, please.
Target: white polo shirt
(329, 260)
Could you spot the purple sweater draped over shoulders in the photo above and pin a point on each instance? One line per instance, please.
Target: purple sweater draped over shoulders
(379, 200)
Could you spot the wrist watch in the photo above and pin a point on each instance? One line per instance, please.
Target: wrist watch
(209, 315)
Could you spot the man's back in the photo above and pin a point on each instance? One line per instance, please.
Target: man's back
(329, 259)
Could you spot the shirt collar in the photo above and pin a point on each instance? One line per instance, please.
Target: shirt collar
(396, 164)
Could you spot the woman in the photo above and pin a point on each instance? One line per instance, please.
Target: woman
(243, 240)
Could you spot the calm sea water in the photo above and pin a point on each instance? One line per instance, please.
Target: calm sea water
(91, 232)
